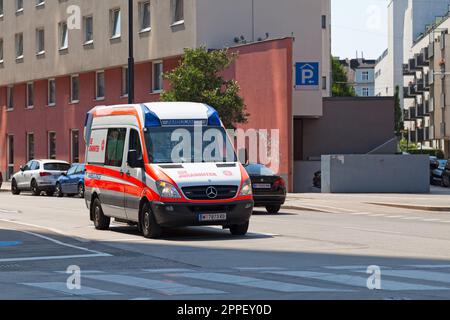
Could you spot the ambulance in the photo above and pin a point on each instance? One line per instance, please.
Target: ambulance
(164, 165)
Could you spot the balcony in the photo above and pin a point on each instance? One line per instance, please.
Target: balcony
(426, 134)
(425, 54)
(412, 136)
(426, 80)
(406, 115)
(431, 77)
(420, 61)
(409, 91)
(426, 107)
(431, 133)
(431, 104)
(419, 86)
(420, 135)
(407, 71)
(412, 113)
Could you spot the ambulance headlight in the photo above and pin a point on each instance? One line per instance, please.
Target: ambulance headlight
(167, 190)
(246, 189)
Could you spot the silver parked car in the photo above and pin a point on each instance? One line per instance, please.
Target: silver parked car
(38, 176)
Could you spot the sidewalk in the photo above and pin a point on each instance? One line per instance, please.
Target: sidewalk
(437, 200)
(6, 186)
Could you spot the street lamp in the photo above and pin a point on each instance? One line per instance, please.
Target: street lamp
(130, 53)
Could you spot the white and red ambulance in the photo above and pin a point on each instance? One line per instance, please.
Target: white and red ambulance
(162, 165)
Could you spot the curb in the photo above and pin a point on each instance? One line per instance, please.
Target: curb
(412, 207)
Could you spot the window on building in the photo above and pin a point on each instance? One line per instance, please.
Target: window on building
(1, 8)
(74, 146)
(30, 95)
(1, 51)
(30, 146)
(63, 36)
(324, 83)
(115, 23)
(125, 82)
(40, 3)
(51, 92)
(365, 92)
(115, 145)
(100, 85)
(324, 21)
(19, 46)
(88, 30)
(10, 97)
(51, 145)
(177, 11)
(74, 89)
(365, 76)
(145, 16)
(10, 147)
(19, 5)
(157, 77)
(40, 41)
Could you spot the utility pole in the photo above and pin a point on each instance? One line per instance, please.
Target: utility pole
(130, 53)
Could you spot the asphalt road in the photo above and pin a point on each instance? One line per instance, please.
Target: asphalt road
(292, 255)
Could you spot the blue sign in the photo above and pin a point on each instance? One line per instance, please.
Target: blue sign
(306, 74)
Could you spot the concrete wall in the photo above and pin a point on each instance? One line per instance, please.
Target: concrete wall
(375, 174)
(348, 126)
(304, 174)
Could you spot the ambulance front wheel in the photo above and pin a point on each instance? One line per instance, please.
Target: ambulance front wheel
(240, 229)
(101, 221)
(148, 225)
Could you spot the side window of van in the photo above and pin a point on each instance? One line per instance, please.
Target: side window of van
(115, 144)
(135, 143)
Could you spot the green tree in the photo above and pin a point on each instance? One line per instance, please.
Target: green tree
(340, 87)
(198, 79)
(399, 124)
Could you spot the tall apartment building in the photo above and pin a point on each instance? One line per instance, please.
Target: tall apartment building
(360, 75)
(59, 58)
(426, 76)
(406, 21)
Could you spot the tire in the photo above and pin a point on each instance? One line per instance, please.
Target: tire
(58, 190)
(445, 181)
(240, 230)
(148, 225)
(81, 190)
(273, 209)
(14, 189)
(101, 222)
(35, 189)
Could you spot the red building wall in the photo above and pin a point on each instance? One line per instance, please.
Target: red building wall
(263, 71)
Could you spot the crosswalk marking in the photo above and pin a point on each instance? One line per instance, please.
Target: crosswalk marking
(430, 266)
(62, 287)
(357, 281)
(164, 287)
(258, 268)
(419, 275)
(173, 270)
(252, 282)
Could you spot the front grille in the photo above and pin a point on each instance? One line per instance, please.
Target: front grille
(212, 209)
(201, 193)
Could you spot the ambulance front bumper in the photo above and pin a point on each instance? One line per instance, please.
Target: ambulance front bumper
(174, 215)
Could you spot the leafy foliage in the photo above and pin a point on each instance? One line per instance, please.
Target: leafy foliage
(198, 79)
(340, 87)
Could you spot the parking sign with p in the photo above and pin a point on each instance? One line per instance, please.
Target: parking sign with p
(307, 75)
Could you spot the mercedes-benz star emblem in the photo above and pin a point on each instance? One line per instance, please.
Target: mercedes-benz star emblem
(211, 193)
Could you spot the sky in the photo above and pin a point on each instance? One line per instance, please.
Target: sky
(359, 25)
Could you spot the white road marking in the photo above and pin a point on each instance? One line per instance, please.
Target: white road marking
(62, 287)
(258, 268)
(142, 299)
(347, 267)
(378, 215)
(419, 275)
(93, 253)
(163, 287)
(357, 281)
(411, 218)
(167, 270)
(430, 266)
(394, 217)
(431, 220)
(9, 211)
(252, 282)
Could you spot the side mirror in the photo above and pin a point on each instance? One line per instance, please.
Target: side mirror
(22, 168)
(133, 160)
(243, 156)
(64, 174)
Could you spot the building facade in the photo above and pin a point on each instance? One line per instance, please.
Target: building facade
(58, 59)
(406, 21)
(361, 75)
(426, 91)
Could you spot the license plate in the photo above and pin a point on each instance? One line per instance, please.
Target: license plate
(262, 186)
(212, 217)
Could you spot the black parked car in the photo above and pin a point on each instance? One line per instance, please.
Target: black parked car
(446, 175)
(269, 189)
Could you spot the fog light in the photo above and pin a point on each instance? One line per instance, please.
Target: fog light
(170, 209)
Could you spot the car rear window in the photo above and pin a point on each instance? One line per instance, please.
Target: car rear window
(56, 166)
(259, 170)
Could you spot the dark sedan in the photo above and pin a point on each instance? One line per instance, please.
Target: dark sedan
(269, 189)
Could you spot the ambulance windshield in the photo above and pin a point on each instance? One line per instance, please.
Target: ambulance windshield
(188, 144)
